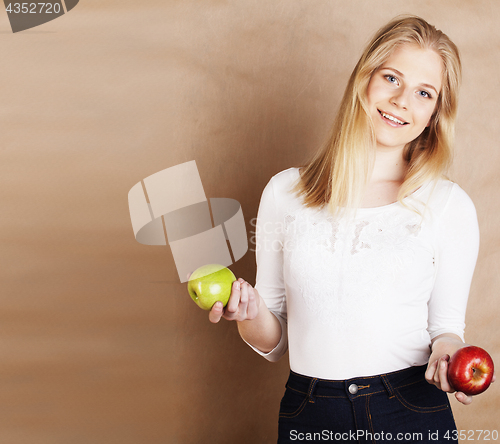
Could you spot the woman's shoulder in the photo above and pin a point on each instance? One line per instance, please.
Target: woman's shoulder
(278, 192)
(283, 181)
(444, 193)
(286, 176)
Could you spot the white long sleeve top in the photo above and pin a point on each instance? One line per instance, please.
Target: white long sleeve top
(364, 296)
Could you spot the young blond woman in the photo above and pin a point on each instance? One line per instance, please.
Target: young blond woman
(365, 255)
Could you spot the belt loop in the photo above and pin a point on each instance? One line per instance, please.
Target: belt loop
(312, 385)
(388, 386)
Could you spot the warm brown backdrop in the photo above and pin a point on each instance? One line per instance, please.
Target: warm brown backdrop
(100, 342)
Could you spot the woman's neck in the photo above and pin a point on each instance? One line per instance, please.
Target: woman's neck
(389, 169)
(389, 166)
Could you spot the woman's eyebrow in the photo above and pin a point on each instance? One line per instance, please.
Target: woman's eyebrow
(399, 73)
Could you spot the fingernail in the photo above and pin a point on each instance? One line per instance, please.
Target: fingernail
(442, 364)
(237, 285)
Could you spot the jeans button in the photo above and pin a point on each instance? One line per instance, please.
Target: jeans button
(353, 389)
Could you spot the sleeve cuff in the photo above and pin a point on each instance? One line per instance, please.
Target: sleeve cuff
(459, 333)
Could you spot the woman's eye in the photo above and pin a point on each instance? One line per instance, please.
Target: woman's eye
(425, 94)
(391, 79)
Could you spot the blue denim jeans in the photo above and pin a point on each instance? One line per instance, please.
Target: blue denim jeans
(401, 407)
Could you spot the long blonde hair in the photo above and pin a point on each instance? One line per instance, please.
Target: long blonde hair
(337, 173)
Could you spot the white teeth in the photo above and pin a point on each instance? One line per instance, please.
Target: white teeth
(387, 116)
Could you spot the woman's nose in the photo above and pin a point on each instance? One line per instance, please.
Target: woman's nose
(400, 98)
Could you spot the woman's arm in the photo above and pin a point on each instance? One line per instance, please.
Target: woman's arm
(457, 245)
(264, 331)
(261, 312)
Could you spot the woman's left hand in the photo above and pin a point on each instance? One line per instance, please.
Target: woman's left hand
(443, 347)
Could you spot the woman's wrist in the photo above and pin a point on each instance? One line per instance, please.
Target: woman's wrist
(446, 339)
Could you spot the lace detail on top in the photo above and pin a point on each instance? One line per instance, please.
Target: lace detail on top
(338, 265)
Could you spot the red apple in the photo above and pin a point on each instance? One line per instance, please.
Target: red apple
(470, 370)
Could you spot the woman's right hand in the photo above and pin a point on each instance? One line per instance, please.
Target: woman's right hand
(243, 304)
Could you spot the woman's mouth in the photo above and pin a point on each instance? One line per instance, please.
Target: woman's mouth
(391, 119)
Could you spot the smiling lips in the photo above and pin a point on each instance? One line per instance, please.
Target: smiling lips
(392, 118)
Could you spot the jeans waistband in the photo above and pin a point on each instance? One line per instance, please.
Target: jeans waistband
(355, 387)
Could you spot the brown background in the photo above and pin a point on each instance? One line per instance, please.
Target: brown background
(100, 342)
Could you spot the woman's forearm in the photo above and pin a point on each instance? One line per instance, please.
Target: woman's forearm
(263, 332)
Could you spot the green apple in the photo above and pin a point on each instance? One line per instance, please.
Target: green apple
(209, 284)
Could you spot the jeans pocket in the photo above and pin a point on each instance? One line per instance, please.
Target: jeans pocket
(422, 397)
(292, 403)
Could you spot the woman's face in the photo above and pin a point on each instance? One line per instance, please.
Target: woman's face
(402, 95)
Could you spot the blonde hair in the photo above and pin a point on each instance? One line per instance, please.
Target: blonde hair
(337, 174)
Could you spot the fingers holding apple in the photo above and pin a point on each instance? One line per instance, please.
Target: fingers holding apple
(213, 287)
(443, 347)
(243, 303)
(237, 301)
(463, 398)
(440, 375)
(437, 374)
(217, 311)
